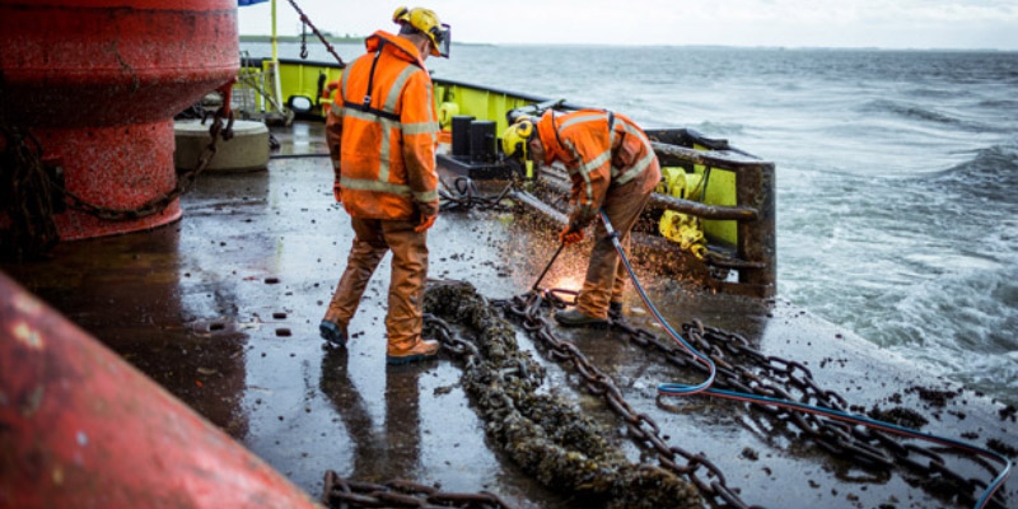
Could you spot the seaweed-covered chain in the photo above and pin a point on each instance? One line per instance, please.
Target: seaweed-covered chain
(307, 22)
(545, 435)
(184, 181)
(641, 426)
(346, 493)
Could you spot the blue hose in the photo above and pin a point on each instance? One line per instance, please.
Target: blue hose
(676, 389)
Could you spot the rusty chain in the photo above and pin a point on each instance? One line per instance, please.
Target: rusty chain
(345, 493)
(749, 371)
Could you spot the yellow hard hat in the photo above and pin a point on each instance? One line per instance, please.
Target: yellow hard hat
(517, 135)
(428, 23)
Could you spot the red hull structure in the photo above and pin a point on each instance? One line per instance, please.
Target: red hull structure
(79, 427)
(98, 82)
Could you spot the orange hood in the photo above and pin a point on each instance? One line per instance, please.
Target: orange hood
(400, 47)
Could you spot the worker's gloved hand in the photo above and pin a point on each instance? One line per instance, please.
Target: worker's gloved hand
(569, 236)
(337, 192)
(426, 222)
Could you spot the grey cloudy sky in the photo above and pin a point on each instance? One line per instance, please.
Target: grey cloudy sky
(919, 24)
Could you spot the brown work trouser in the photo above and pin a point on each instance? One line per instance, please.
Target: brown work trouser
(606, 274)
(403, 320)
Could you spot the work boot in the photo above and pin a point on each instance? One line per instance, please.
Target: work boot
(576, 318)
(334, 333)
(615, 312)
(419, 351)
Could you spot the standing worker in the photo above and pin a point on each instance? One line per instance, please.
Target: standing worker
(611, 165)
(382, 133)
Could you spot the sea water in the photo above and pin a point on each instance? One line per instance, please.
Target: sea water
(897, 173)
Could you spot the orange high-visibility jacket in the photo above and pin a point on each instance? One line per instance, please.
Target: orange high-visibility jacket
(382, 133)
(599, 149)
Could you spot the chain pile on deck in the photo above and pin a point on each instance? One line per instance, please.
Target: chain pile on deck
(747, 370)
(544, 434)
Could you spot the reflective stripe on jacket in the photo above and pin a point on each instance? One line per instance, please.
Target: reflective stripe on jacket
(599, 149)
(382, 133)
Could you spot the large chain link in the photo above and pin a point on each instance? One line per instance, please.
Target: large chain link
(346, 493)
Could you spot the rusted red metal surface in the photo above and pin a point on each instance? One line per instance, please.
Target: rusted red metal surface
(79, 427)
(98, 83)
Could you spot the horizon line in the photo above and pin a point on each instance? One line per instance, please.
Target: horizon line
(358, 39)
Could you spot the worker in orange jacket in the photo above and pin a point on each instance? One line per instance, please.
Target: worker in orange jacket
(382, 132)
(612, 166)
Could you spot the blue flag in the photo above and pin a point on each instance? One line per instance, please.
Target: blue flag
(245, 3)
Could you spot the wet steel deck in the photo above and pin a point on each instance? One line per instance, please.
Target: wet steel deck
(222, 308)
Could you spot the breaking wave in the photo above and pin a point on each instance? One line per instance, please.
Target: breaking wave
(910, 112)
(992, 174)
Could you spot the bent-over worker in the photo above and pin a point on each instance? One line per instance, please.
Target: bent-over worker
(611, 165)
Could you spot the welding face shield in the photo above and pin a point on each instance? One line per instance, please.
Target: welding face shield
(441, 39)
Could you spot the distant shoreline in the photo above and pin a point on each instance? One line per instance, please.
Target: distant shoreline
(333, 39)
(348, 39)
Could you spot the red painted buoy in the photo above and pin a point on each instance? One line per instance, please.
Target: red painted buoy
(80, 427)
(98, 83)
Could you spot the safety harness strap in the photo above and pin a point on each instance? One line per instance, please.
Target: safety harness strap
(388, 111)
(388, 121)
